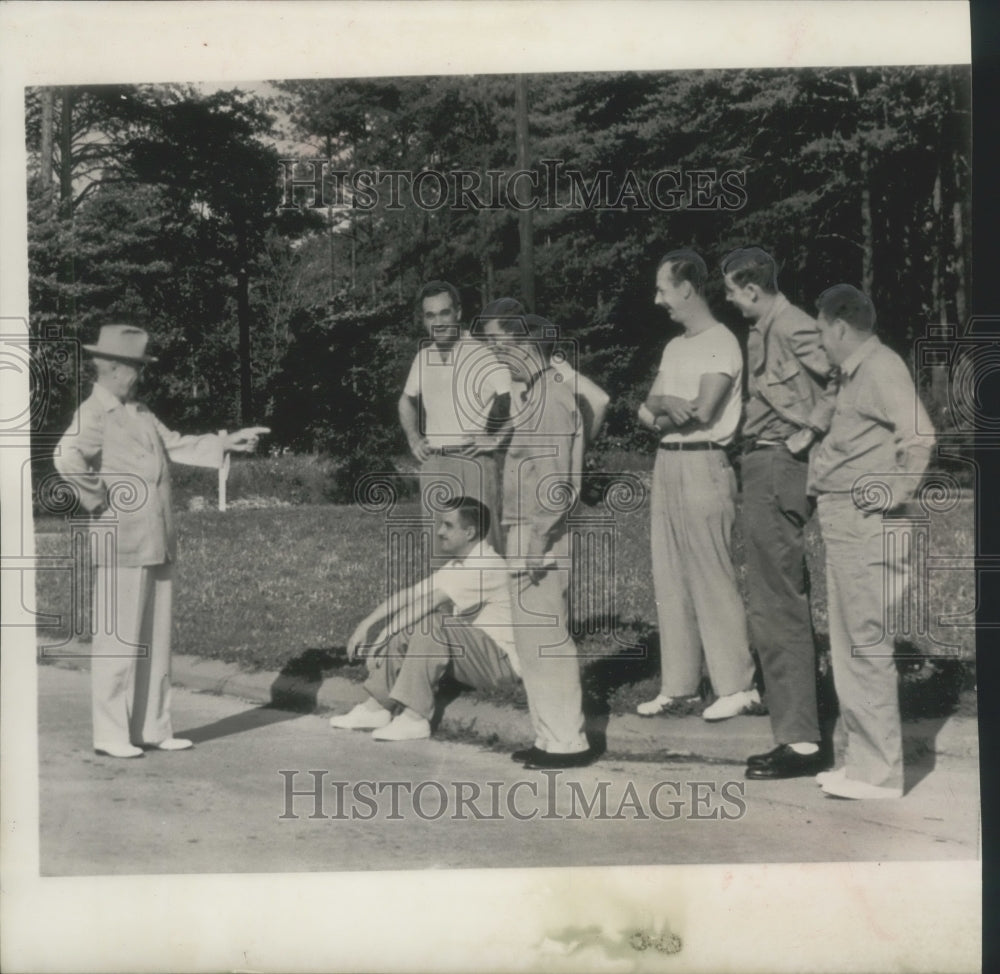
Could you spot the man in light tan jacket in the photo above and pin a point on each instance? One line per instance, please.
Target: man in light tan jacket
(115, 454)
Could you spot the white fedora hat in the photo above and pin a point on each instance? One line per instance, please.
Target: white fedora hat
(125, 343)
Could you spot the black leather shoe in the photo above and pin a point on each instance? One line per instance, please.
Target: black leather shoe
(784, 762)
(525, 754)
(757, 759)
(544, 760)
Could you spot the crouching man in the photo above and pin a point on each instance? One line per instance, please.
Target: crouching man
(474, 641)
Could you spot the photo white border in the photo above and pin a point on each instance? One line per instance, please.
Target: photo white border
(841, 917)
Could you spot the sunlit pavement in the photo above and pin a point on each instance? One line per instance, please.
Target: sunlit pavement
(227, 805)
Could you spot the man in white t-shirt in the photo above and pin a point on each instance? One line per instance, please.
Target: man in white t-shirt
(695, 405)
(408, 656)
(458, 382)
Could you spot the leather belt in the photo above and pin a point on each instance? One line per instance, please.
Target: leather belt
(701, 445)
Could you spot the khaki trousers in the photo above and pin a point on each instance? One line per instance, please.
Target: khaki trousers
(412, 664)
(861, 584)
(130, 668)
(548, 657)
(699, 608)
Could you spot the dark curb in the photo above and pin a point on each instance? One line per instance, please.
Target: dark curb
(628, 737)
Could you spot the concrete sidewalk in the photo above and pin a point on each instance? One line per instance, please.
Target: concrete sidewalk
(627, 736)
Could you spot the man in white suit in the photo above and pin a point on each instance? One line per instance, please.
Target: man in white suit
(118, 441)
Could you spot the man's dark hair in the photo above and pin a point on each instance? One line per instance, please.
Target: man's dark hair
(471, 513)
(751, 265)
(846, 302)
(686, 265)
(501, 308)
(533, 329)
(432, 288)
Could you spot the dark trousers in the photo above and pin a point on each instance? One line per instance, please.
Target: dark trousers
(775, 511)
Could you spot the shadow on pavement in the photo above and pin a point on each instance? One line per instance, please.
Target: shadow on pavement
(293, 694)
(297, 686)
(249, 720)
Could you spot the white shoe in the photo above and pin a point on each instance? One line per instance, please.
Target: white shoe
(731, 705)
(852, 788)
(362, 717)
(118, 750)
(824, 776)
(660, 704)
(405, 727)
(172, 744)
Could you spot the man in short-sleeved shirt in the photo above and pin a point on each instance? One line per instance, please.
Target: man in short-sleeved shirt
(695, 405)
(408, 657)
(458, 383)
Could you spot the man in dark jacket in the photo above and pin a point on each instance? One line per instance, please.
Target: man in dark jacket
(789, 409)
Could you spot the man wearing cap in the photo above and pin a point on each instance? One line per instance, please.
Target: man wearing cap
(538, 472)
(458, 383)
(874, 446)
(591, 399)
(116, 447)
(788, 410)
(694, 405)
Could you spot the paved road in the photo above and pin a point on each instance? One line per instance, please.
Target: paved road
(223, 807)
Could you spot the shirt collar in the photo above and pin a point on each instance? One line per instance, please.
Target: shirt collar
(780, 303)
(445, 356)
(481, 549)
(535, 379)
(850, 364)
(106, 398)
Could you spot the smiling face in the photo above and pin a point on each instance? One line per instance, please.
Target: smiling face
(440, 317)
(744, 298)
(669, 295)
(831, 337)
(518, 352)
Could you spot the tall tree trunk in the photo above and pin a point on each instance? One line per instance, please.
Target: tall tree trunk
(243, 324)
(867, 236)
(48, 103)
(331, 289)
(67, 271)
(354, 257)
(958, 224)
(527, 250)
(66, 153)
(864, 180)
(938, 298)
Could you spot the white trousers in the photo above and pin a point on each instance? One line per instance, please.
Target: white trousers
(130, 668)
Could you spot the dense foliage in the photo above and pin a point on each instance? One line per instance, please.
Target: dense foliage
(162, 204)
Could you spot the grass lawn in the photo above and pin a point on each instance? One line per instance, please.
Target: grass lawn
(281, 588)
